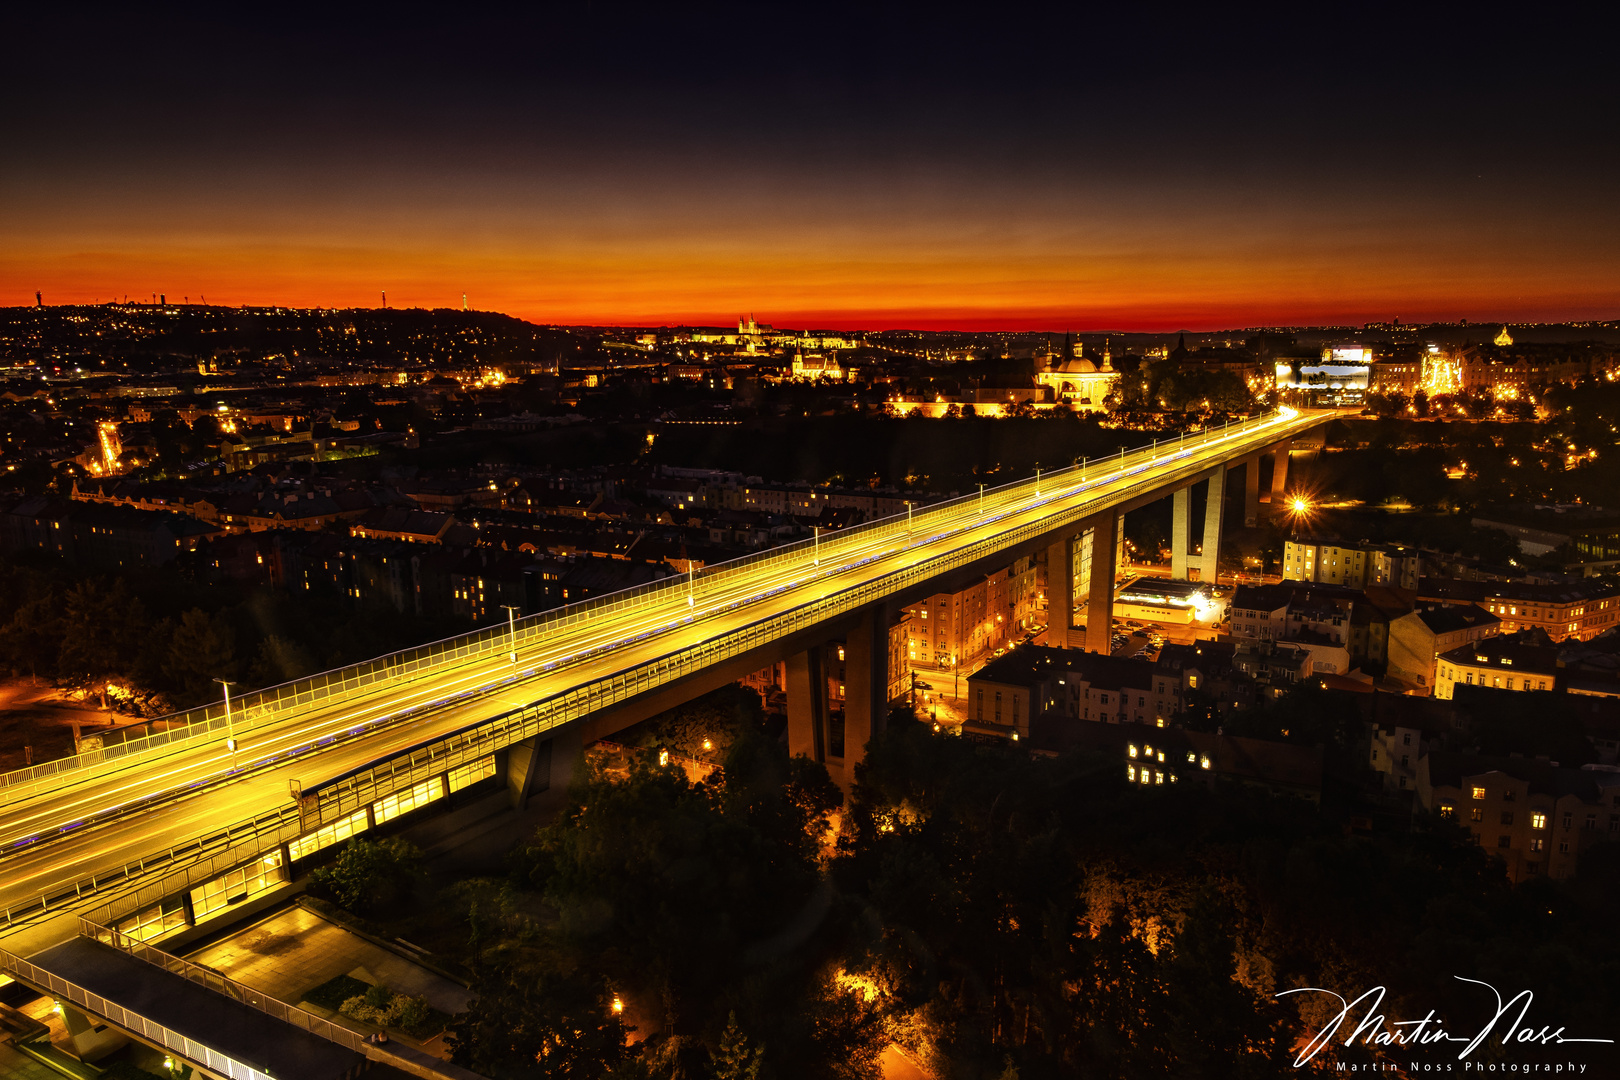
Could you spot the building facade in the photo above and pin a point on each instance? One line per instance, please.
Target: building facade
(951, 631)
(1353, 565)
(1534, 816)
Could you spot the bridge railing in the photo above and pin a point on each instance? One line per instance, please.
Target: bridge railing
(140, 883)
(343, 795)
(146, 1028)
(223, 984)
(258, 708)
(151, 880)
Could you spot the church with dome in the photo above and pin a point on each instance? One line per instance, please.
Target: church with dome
(1077, 381)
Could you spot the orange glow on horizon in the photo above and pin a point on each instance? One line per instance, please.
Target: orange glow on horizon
(872, 283)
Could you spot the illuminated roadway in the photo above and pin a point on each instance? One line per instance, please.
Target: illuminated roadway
(96, 821)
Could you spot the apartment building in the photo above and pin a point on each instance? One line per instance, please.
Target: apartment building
(1418, 638)
(1581, 610)
(1533, 815)
(1500, 663)
(1355, 565)
(958, 630)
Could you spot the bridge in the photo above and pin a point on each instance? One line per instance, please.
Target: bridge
(168, 823)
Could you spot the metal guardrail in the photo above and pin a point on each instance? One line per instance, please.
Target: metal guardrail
(347, 794)
(223, 984)
(190, 1049)
(255, 709)
(147, 881)
(260, 835)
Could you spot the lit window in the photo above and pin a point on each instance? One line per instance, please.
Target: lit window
(237, 885)
(1479, 793)
(1538, 821)
(469, 774)
(327, 835)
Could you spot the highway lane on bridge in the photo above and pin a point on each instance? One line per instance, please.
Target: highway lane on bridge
(665, 624)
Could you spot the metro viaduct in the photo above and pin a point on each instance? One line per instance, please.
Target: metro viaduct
(535, 747)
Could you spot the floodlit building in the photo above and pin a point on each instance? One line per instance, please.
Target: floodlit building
(1500, 663)
(1341, 377)
(1353, 565)
(1418, 638)
(957, 630)
(1079, 383)
(1580, 610)
(1169, 603)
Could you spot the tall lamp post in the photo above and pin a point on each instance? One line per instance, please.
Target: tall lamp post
(230, 734)
(511, 630)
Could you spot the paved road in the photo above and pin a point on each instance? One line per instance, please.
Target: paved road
(201, 788)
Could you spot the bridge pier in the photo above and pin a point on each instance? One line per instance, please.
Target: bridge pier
(1180, 528)
(1060, 625)
(866, 685)
(807, 705)
(1214, 510)
(92, 1039)
(1279, 474)
(1251, 492)
(1183, 563)
(1102, 556)
(537, 765)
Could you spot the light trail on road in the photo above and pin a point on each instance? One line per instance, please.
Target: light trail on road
(99, 820)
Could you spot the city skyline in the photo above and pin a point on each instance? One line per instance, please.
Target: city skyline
(592, 168)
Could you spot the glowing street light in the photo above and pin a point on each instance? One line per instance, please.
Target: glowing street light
(511, 630)
(230, 734)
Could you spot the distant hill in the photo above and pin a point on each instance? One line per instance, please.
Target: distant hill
(144, 335)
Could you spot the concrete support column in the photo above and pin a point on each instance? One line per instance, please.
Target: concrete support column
(543, 764)
(807, 705)
(1100, 599)
(89, 1043)
(1060, 593)
(1251, 492)
(1119, 546)
(866, 684)
(1180, 527)
(1214, 510)
(1279, 475)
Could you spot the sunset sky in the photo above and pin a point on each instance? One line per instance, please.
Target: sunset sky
(595, 164)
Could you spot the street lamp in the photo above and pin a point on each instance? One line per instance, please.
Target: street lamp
(815, 558)
(511, 630)
(230, 734)
(981, 498)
